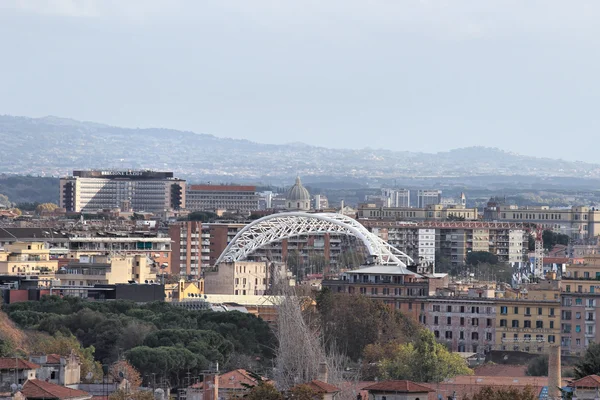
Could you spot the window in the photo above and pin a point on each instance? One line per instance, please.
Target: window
(577, 315)
(448, 334)
(449, 308)
(449, 320)
(551, 312)
(436, 334)
(527, 311)
(374, 291)
(474, 336)
(568, 288)
(551, 339)
(488, 336)
(516, 310)
(475, 321)
(462, 309)
(578, 302)
(436, 308)
(577, 328)
(474, 310)
(461, 335)
(527, 324)
(539, 310)
(515, 323)
(462, 321)
(551, 324)
(489, 322)
(527, 337)
(539, 324)
(502, 322)
(504, 310)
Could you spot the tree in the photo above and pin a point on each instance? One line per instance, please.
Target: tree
(4, 201)
(123, 370)
(63, 345)
(263, 391)
(510, 393)
(538, 366)
(425, 360)
(304, 392)
(45, 207)
(203, 216)
(477, 257)
(351, 322)
(551, 239)
(135, 395)
(590, 363)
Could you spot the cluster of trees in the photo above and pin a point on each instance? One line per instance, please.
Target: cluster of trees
(421, 360)
(350, 323)
(156, 338)
(387, 343)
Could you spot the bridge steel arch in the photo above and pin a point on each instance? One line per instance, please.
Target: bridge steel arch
(276, 227)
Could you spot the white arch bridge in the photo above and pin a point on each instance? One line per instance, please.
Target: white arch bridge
(276, 227)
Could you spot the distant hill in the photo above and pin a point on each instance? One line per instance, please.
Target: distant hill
(53, 146)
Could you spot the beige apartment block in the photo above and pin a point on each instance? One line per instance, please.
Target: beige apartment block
(30, 258)
(242, 278)
(106, 270)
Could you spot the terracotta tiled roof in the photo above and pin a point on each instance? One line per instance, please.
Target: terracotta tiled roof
(501, 370)
(11, 363)
(590, 381)
(399, 387)
(36, 389)
(53, 359)
(234, 380)
(322, 387)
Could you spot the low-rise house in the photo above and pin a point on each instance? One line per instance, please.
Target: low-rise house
(398, 390)
(64, 371)
(15, 371)
(327, 390)
(586, 388)
(229, 385)
(35, 389)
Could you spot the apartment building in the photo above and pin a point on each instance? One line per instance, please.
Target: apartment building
(94, 190)
(125, 243)
(430, 212)
(528, 319)
(579, 222)
(241, 199)
(107, 270)
(27, 258)
(396, 286)
(580, 299)
(454, 239)
(243, 278)
(395, 197)
(464, 322)
(427, 197)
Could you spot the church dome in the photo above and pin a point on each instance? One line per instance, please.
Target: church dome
(298, 192)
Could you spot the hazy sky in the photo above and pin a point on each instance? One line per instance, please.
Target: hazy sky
(417, 75)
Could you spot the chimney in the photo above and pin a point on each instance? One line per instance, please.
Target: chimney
(322, 375)
(554, 373)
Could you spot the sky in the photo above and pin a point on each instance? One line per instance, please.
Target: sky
(520, 75)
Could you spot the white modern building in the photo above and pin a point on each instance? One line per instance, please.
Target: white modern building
(129, 190)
